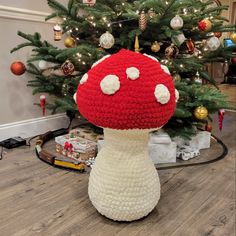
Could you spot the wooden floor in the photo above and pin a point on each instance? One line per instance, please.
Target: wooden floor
(38, 199)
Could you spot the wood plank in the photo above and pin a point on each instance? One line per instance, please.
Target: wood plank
(38, 199)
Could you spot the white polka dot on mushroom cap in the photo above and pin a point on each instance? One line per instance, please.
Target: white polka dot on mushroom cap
(152, 57)
(110, 84)
(162, 94)
(100, 60)
(132, 73)
(84, 79)
(165, 68)
(176, 95)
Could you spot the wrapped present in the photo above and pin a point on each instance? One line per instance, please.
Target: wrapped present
(186, 152)
(201, 140)
(73, 146)
(162, 152)
(161, 148)
(159, 136)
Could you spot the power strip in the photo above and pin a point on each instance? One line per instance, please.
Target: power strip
(13, 142)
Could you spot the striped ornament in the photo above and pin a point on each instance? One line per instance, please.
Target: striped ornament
(142, 21)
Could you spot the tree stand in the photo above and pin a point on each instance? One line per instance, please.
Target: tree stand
(124, 184)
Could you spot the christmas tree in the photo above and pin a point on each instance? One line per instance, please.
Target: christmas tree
(184, 35)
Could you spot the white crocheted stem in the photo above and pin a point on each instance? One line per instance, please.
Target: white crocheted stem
(124, 184)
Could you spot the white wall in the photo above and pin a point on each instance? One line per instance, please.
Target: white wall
(16, 100)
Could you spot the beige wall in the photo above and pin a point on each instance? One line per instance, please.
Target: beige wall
(16, 100)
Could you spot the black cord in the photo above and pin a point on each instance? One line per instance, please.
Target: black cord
(222, 156)
(29, 141)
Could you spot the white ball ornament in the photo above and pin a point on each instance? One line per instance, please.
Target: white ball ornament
(162, 94)
(213, 43)
(132, 73)
(176, 23)
(110, 84)
(106, 40)
(43, 65)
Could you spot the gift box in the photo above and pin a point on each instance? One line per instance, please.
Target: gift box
(72, 145)
(186, 152)
(201, 140)
(162, 153)
(161, 148)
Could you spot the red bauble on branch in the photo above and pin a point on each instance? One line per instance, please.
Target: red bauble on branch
(18, 68)
(208, 127)
(233, 60)
(205, 25)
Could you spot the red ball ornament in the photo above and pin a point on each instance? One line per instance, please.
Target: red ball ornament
(190, 45)
(218, 34)
(18, 68)
(205, 25)
(233, 60)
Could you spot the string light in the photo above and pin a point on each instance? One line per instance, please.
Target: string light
(104, 18)
(185, 11)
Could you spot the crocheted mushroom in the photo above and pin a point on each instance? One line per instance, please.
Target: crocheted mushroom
(128, 94)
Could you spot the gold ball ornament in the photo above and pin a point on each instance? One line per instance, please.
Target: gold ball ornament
(233, 37)
(69, 42)
(201, 113)
(155, 47)
(205, 25)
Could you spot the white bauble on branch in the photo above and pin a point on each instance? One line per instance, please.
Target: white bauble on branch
(213, 43)
(43, 64)
(176, 23)
(106, 40)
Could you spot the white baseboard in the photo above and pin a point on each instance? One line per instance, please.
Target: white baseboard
(32, 127)
(25, 14)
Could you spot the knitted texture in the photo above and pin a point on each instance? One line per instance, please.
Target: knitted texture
(109, 98)
(123, 183)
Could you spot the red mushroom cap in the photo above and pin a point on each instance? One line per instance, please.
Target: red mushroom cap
(127, 90)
